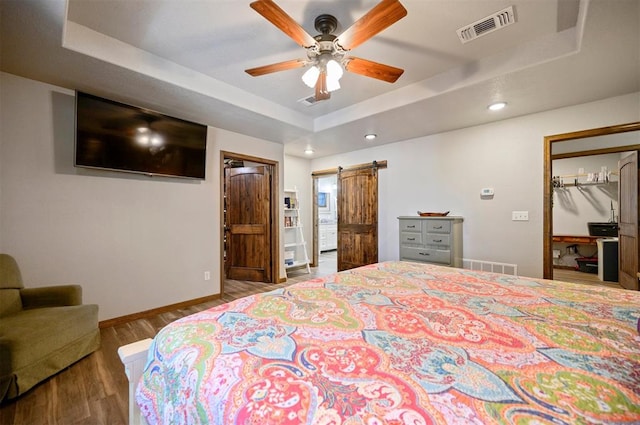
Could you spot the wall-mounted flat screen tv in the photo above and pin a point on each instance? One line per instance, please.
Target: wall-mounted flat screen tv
(114, 136)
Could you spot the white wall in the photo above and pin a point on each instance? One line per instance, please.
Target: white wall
(133, 242)
(446, 171)
(574, 207)
(297, 175)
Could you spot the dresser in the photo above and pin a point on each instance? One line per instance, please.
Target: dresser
(431, 240)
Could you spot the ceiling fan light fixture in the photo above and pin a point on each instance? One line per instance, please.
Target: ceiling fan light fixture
(332, 84)
(334, 73)
(309, 151)
(334, 70)
(310, 77)
(326, 51)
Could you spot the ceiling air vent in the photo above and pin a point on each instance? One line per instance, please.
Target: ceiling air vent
(309, 101)
(484, 26)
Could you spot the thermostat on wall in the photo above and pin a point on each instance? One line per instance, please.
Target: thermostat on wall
(486, 192)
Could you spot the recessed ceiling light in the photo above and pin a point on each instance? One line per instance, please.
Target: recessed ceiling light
(370, 136)
(309, 151)
(497, 106)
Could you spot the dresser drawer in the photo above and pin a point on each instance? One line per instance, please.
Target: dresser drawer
(437, 239)
(438, 226)
(426, 254)
(411, 238)
(410, 225)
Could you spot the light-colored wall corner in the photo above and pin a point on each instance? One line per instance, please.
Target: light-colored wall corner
(445, 172)
(134, 243)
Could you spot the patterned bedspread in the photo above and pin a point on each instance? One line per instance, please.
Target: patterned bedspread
(402, 343)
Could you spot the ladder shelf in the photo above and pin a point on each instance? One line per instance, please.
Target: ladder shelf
(295, 247)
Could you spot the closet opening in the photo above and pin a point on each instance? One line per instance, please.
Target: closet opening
(590, 193)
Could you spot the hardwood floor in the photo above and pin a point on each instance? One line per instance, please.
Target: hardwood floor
(575, 276)
(95, 390)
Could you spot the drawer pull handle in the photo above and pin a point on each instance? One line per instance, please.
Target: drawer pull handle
(423, 253)
(437, 240)
(437, 227)
(411, 239)
(413, 226)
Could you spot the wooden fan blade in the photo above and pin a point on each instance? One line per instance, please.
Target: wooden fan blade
(276, 67)
(382, 16)
(373, 69)
(321, 87)
(278, 17)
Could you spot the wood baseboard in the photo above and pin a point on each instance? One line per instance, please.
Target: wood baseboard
(155, 311)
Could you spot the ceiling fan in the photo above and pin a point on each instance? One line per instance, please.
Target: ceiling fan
(326, 53)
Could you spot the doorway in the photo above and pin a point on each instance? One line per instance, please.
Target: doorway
(326, 215)
(605, 140)
(356, 208)
(249, 217)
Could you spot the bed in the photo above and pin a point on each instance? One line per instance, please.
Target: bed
(402, 343)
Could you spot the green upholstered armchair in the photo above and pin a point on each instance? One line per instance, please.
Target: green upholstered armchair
(42, 330)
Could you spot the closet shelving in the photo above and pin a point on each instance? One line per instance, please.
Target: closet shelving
(584, 179)
(295, 247)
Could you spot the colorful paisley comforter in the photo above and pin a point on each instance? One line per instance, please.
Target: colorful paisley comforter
(402, 343)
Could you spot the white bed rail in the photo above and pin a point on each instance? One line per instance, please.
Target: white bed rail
(134, 358)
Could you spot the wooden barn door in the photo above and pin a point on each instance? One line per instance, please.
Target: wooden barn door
(357, 217)
(628, 221)
(248, 223)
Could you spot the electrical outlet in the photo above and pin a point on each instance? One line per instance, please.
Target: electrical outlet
(520, 215)
(207, 275)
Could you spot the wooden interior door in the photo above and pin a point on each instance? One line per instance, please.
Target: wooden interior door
(628, 221)
(357, 217)
(248, 219)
